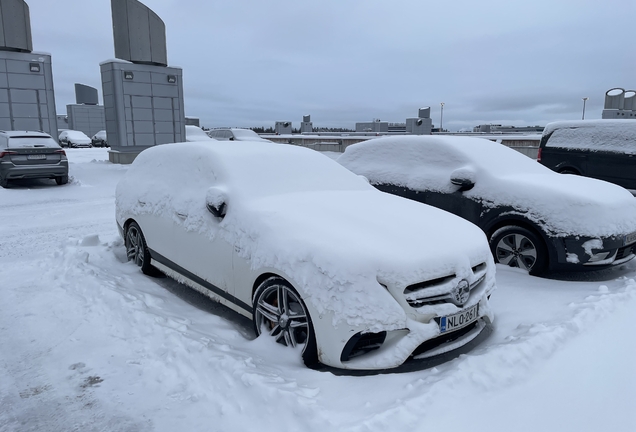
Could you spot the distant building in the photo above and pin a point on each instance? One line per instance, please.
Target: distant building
(496, 128)
(376, 126)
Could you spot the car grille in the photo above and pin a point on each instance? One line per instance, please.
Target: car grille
(625, 251)
(440, 290)
(444, 338)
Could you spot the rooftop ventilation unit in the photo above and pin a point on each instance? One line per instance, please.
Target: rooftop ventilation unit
(15, 26)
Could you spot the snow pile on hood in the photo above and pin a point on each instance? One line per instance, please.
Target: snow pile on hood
(617, 136)
(296, 211)
(562, 204)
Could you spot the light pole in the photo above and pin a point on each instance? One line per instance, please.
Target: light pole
(441, 118)
(584, 100)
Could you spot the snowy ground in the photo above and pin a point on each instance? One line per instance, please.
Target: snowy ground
(88, 343)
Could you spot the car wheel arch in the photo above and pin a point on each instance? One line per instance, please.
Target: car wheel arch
(569, 170)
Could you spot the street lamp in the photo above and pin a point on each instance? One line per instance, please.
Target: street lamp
(441, 118)
(584, 100)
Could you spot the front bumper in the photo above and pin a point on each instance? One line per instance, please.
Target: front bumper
(588, 253)
(416, 341)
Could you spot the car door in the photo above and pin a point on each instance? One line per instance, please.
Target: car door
(617, 167)
(456, 203)
(203, 253)
(159, 231)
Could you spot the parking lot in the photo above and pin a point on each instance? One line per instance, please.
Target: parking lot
(90, 343)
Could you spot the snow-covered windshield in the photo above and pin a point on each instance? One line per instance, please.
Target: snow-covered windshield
(246, 134)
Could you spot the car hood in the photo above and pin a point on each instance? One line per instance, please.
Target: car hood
(339, 247)
(563, 204)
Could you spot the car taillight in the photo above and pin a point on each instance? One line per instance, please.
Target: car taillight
(539, 155)
(6, 153)
(60, 151)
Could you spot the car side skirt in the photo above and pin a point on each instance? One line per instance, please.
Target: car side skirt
(199, 284)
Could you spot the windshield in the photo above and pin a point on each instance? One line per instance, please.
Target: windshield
(246, 134)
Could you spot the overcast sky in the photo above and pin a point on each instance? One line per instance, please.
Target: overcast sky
(251, 63)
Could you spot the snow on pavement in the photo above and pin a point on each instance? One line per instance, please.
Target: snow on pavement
(89, 343)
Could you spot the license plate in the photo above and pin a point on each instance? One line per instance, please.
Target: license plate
(37, 156)
(459, 320)
(629, 239)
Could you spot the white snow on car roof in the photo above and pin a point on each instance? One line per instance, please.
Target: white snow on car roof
(618, 136)
(75, 134)
(628, 126)
(562, 204)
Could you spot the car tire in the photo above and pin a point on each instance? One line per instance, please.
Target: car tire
(4, 182)
(288, 321)
(137, 249)
(516, 246)
(61, 180)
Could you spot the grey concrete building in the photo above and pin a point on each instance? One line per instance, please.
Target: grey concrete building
(27, 100)
(283, 127)
(85, 115)
(86, 118)
(422, 125)
(192, 121)
(306, 126)
(143, 98)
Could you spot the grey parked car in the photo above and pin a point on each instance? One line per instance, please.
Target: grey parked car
(235, 134)
(27, 155)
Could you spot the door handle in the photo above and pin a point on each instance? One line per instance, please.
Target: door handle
(181, 215)
(142, 203)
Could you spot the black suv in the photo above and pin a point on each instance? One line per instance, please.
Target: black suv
(602, 149)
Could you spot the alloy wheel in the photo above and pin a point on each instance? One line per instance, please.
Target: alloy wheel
(280, 312)
(516, 250)
(135, 246)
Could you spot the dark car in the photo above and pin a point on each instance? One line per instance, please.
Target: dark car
(27, 155)
(534, 218)
(602, 149)
(99, 139)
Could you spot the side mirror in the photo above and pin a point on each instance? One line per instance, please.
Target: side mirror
(464, 178)
(216, 202)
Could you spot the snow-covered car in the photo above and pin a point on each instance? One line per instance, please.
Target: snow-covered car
(74, 139)
(534, 218)
(99, 139)
(27, 155)
(235, 134)
(195, 133)
(311, 252)
(601, 149)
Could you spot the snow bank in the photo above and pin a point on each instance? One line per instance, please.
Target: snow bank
(562, 204)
